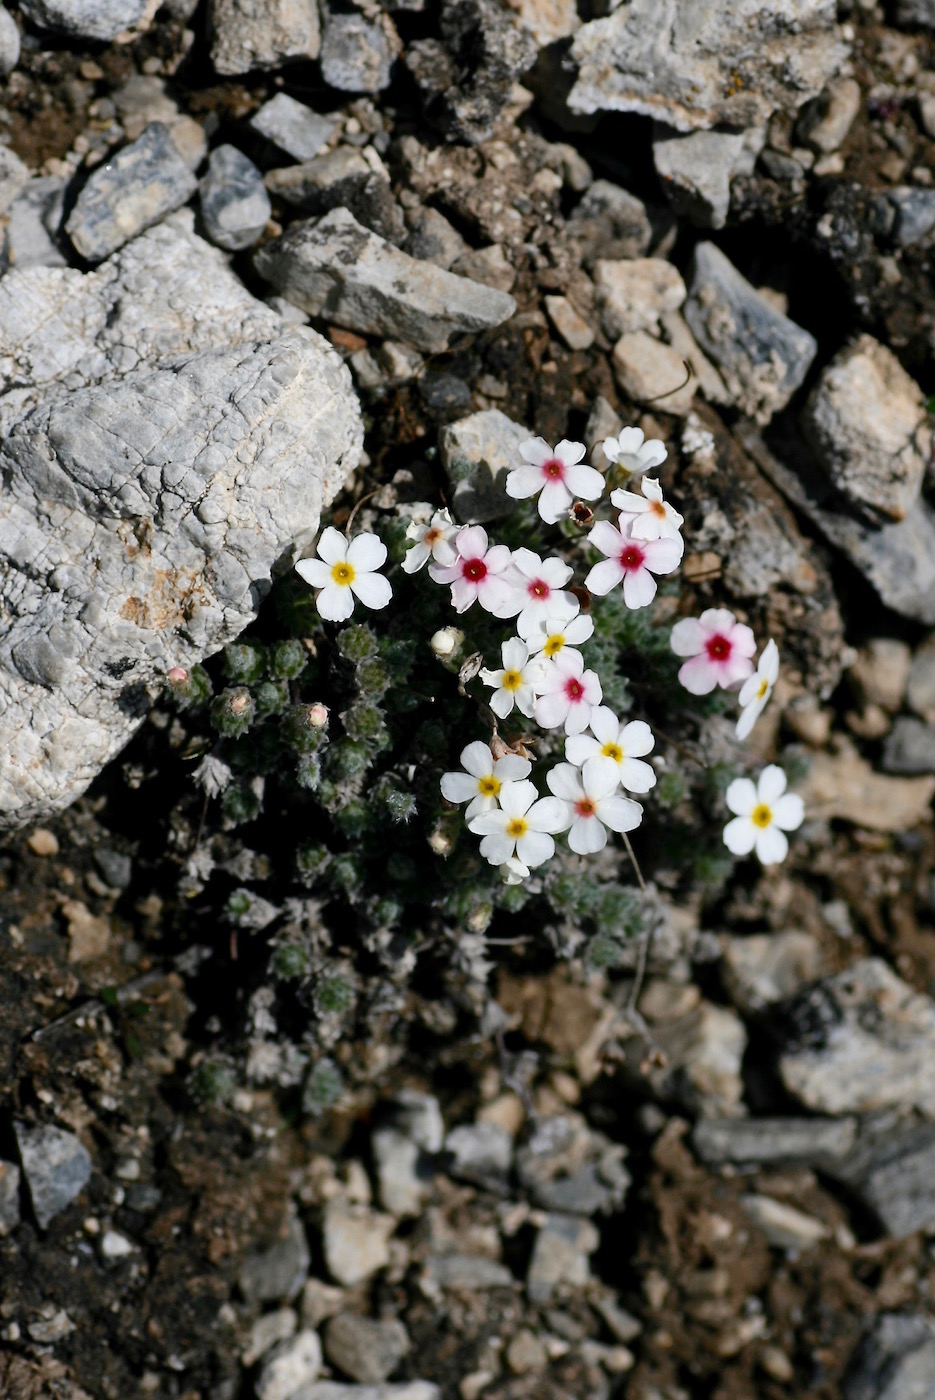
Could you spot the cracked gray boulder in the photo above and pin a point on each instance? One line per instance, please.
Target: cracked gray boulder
(167, 441)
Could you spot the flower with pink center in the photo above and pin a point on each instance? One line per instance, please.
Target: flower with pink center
(542, 583)
(567, 694)
(592, 804)
(649, 516)
(631, 561)
(556, 475)
(480, 573)
(719, 647)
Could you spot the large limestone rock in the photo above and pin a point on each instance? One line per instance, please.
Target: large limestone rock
(166, 441)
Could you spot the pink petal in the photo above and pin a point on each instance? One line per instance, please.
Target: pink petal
(699, 676)
(688, 637)
(604, 577)
(523, 481)
(639, 588)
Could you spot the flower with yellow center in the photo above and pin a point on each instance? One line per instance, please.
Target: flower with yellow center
(521, 828)
(765, 812)
(483, 778)
(516, 683)
(754, 696)
(550, 636)
(650, 517)
(617, 749)
(345, 571)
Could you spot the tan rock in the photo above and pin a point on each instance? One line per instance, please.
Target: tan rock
(42, 842)
(632, 293)
(648, 371)
(89, 935)
(844, 785)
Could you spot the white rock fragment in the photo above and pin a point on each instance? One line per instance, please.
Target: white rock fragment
(477, 452)
(650, 372)
(335, 267)
(568, 323)
(289, 1367)
(826, 121)
(9, 43)
(356, 1240)
(293, 127)
(116, 1246)
(632, 293)
(245, 35)
(784, 1226)
(696, 169)
(100, 20)
(13, 177)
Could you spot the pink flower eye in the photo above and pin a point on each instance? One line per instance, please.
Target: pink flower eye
(718, 648)
(553, 469)
(632, 557)
(574, 689)
(539, 588)
(474, 570)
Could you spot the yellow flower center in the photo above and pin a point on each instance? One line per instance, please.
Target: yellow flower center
(554, 644)
(761, 815)
(489, 786)
(613, 751)
(763, 688)
(512, 680)
(343, 573)
(517, 827)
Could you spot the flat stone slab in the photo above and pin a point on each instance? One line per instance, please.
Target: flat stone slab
(166, 442)
(334, 267)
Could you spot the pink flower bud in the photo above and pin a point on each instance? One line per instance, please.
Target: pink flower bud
(177, 676)
(317, 715)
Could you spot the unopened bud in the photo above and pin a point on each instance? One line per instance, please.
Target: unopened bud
(317, 715)
(177, 676)
(441, 842)
(446, 641)
(240, 702)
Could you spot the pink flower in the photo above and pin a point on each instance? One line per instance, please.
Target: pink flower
(633, 561)
(567, 694)
(542, 583)
(556, 474)
(720, 649)
(480, 574)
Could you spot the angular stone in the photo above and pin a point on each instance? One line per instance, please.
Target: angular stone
(467, 1271)
(405, 1390)
(481, 1153)
(403, 1148)
(910, 747)
(867, 423)
(768, 967)
(336, 268)
(133, 190)
(559, 1261)
(892, 1170)
(9, 43)
(153, 389)
(355, 1240)
(568, 324)
(357, 53)
(761, 354)
(825, 122)
(915, 214)
(57, 1168)
(896, 1360)
(245, 35)
(279, 1271)
(35, 219)
(570, 1169)
(143, 99)
(234, 204)
(13, 177)
(364, 1348)
(432, 237)
(346, 178)
(866, 1042)
(9, 1197)
(609, 222)
(290, 1367)
(774, 1141)
(701, 63)
(293, 127)
(477, 452)
(784, 1226)
(920, 690)
(489, 265)
(880, 675)
(650, 372)
(99, 20)
(633, 293)
(704, 1050)
(696, 170)
(843, 785)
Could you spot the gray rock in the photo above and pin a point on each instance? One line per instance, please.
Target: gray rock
(704, 1048)
(696, 169)
(571, 327)
(13, 177)
(825, 121)
(234, 204)
(365, 1349)
(697, 63)
(355, 1240)
(337, 268)
(892, 1170)
(293, 127)
(571, 1170)
(290, 1367)
(489, 266)
(100, 20)
(897, 559)
(774, 1141)
(858, 1041)
(632, 293)
(477, 452)
(115, 867)
(134, 190)
(916, 12)
(910, 747)
(867, 423)
(761, 354)
(334, 1390)
(481, 1153)
(764, 968)
(433, 238)
(403, 1148)
(9, 43)
(154, 389)
(357, 53)
(468, 1271)
(880, 674)
(9, 1197)
(920, 690)
(915, 214)
(346, 178)
(246, 35)
(269, 1328)
(895, 1361)
(559, 1261)
(270, 1275)
(57, 1168)
(143, 99)
(609, 222)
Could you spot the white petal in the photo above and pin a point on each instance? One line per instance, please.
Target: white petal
(548, 814)
(415, 558)
(771, 845)
(576, 721)
(585, 482)
(331, 546)
(335, 604)
(502, 703)
(637, 776)
(471, 542)
(740, 836)
(551, 709)
(477, 759)
(772, 784)
(578, 630)
(639, 588)
(528, 563)
(554, 500)
(789, 812)
(517, 798)
(741, 797)
(587, 836)
(564, 781)
(569, 452)
(366, 552)
(522, 482)
(534, 848)
(636, 738)
(664, 556)
(580, 747)
(599, 778)
(605, 724)
(314, 571)
(629, 503)
(651, 489)
(749, 690)
(750, 715)
(476, 807)
(459, 787)
(604, 577)
(492, 822)
(515, 654)
(688, 637)
(497, 848)
(373, 590)
(511, 768)
(630, 440)
(620, 814)
(769, 662)
(535, 450)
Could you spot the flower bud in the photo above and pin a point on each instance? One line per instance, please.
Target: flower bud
(317, 715)
(177, 675)
(446, 641)
(441, 841)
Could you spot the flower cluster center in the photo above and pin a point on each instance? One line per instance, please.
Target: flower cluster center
(539, 588)
(554, 644)
(613, 751)
(574, 689)
(517, 827)
(585, 807)
(512, 680)
(553, 469)
(632, 557)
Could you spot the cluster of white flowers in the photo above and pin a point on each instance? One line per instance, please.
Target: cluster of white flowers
(542, 674)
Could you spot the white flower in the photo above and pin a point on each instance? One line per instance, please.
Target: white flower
(480, 573)
(541, 583)
(433, 541)
(344, 571)
(651, 518)
(556, 473)
(757, 689)
(616, 748)
(522, 826)
(631, 561)
(567, 694)
(513, 871)
(515, 684)
(588, 795)
(483, 777)
(631, 454)
(555, 634)
(764, 812)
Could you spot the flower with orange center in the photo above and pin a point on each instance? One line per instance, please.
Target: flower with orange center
(592, 805)
(433, 540)
(651, 518)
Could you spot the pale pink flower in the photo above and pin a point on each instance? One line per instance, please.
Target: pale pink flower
(433, 540)
(765, 811)
(592, 804)
(567, 694)
(542, 582)
(632, 561)
(720, 649)
(522, 826)
(650, 517)
(556, 474)
(617, 748)
(480, 573)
